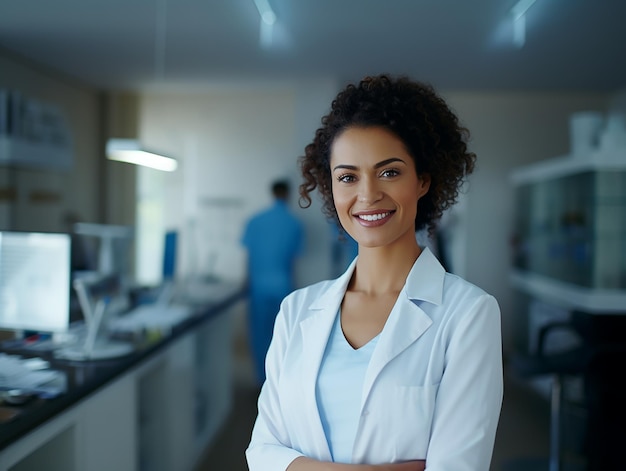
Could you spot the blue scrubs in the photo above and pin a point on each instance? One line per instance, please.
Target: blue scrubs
(273, 238)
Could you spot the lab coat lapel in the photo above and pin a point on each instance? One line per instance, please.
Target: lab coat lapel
(315, 330)
(407, 321)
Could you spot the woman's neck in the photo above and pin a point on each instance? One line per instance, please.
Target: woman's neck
(383, 270)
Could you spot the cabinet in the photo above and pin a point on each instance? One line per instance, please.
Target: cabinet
(184, 396)
(98, 434)
(569, 240)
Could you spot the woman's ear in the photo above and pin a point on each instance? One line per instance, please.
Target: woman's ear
(423, 183)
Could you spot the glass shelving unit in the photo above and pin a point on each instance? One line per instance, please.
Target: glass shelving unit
(570, 231)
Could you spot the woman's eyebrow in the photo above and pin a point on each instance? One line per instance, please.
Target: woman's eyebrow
(382, 163)
(388, 161)
(347, 167)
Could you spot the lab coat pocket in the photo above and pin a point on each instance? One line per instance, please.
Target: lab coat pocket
(412, 420)
(395, 424)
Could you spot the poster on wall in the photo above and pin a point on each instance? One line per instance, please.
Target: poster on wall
(33, 133)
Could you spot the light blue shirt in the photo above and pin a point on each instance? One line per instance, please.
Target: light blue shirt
(338, 391)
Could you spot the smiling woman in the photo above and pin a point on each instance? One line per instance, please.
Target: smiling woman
(383, 368)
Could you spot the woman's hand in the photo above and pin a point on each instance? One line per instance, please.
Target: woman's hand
(308, 464)
(419, 465)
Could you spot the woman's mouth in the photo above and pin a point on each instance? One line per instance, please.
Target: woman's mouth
(373, 219)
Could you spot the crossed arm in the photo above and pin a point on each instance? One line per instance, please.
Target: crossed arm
(308, 464)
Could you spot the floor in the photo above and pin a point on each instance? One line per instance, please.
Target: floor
(521, 443)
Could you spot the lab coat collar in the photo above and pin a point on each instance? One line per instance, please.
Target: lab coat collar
(425, 280)
(424, 283)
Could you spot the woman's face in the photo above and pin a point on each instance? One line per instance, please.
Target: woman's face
(375, 186)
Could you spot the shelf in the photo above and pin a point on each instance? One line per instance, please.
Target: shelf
(571, 296)
(25, 153)
(569, 165)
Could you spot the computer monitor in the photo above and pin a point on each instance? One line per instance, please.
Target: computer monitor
(35, 281)
(113, 244)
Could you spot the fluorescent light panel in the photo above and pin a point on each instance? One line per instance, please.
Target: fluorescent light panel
(520, 8)
(130, 151)
(518, 12)
(265, 10)
(268, 19)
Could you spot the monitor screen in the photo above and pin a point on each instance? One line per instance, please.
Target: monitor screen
(112, 246)
(34, 281)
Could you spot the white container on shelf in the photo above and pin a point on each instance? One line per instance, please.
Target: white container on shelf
(614, 133)
(585, 130)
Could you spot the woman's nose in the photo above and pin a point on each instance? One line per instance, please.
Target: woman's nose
(369, 192)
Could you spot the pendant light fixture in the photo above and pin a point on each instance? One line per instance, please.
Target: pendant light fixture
(131, 150)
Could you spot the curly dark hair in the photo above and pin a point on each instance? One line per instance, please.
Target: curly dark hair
(418, 116)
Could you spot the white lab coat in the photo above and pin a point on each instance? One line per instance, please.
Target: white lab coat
(433, 388)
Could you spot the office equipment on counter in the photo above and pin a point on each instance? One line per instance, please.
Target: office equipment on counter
(113, 246)
(162, 292)
(168, 400)
(101, 299)
(34, 281)
(197, 291)
(29, 376)
(97, 344)
(155, 317)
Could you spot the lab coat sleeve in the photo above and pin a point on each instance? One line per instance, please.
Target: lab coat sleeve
(270, 447)
(470, 393)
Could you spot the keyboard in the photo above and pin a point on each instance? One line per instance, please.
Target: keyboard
(150, 317)
(197, 292)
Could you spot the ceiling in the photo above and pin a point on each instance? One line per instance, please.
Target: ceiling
(455, 44)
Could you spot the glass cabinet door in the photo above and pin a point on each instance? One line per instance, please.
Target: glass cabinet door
(573, 228)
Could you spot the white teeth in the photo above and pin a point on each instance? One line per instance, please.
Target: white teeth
(373, 217)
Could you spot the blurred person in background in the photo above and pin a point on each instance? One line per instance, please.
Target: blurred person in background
(273, 238)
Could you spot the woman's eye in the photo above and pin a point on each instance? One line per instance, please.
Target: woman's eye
(346, 178)
(390, 172)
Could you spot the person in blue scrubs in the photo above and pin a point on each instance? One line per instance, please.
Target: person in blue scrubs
(274, 238)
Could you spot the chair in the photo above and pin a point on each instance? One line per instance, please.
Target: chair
(600, 360)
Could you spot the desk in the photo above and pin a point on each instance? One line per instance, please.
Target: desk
(156, 409)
